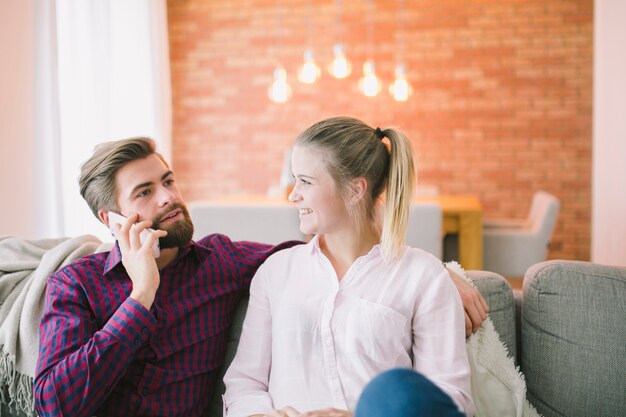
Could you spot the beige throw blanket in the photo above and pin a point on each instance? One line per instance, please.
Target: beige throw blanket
(25, 266)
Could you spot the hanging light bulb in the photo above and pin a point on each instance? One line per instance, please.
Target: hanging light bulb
(369, 84)
(309, 71)
(340, 67)
(279, 91)
(400, 89)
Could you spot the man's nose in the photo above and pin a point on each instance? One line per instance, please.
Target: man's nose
(166, 196)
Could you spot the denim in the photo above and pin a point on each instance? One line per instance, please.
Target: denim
(404, 393)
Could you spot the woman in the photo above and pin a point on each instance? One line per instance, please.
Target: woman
(325, 318)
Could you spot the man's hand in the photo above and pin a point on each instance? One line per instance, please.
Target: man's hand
(138, 260)
(283, 412)
(327, 412)
(475, 306)
(292, 412)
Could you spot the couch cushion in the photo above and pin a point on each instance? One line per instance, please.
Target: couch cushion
(215, 406)
(574, 338)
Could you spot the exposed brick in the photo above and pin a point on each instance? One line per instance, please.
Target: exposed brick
(501, 108)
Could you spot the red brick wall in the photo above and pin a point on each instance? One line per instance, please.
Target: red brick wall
(502, 102)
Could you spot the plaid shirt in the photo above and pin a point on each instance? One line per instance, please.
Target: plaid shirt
(103, 353)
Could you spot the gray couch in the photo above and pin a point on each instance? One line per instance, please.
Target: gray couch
(567, 332)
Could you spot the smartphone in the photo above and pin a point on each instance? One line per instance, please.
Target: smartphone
(116, 218)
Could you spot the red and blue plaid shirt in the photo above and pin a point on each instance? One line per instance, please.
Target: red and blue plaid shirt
(102, 353)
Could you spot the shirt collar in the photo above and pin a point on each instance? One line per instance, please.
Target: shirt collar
(115, 256)
(314, 247)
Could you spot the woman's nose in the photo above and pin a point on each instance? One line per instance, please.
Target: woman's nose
(294, 195)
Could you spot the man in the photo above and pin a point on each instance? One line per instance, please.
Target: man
(125, 334)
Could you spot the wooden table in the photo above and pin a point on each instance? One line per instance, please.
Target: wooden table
(462, 215)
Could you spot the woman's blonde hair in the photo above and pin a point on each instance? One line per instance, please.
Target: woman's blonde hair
(351, 149)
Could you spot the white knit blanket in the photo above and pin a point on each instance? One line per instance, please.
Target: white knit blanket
(498, 386)
(25, 266)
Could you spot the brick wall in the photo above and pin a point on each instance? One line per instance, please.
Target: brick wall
(501, 108)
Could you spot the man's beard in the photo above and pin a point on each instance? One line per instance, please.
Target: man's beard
(178, 233)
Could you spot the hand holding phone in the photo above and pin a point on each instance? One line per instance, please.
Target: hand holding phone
(115, 219)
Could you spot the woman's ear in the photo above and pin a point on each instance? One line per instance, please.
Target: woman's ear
(358, 188)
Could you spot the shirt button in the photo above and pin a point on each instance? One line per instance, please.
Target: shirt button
(145, 391)
(137, 342)
(144, 331)
(156, 342)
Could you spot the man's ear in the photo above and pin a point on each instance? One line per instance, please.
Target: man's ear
(358, 188)
(104, 216)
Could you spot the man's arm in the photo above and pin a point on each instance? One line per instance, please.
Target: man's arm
(474, 305)
(249, 256)
(80, 363)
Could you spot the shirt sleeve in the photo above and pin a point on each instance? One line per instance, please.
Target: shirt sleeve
(250, 255)
(247, 378)
(439, 340)
(80, 362)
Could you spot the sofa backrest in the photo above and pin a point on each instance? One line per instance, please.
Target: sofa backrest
(267, 223)
(574, 338)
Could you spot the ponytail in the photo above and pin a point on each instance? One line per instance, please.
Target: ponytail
(400, 185)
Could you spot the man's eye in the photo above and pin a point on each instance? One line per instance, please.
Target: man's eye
(144, 193)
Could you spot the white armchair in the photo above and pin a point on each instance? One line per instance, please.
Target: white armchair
(511, 246)
(254, 222)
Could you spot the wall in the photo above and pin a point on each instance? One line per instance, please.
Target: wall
(16, 118)
(609, 147)
(502, 102)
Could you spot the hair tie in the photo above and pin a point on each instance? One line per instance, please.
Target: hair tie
(379, 133)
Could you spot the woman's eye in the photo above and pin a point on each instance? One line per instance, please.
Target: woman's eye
(169, 182)
(303, 181)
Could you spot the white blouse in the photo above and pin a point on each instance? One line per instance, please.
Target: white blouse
(312, 341)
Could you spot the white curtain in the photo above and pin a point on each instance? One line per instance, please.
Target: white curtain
(102, 74)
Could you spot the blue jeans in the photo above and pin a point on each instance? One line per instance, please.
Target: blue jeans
(404, 393)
